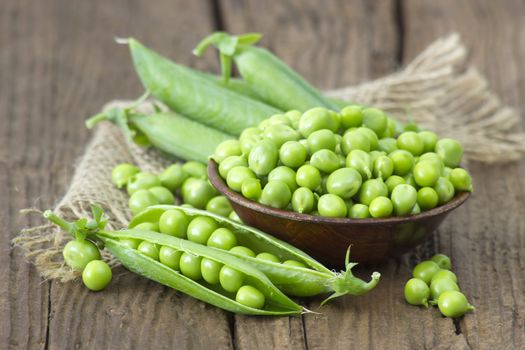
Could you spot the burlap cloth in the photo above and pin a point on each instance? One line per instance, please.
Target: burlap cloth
(437, 90)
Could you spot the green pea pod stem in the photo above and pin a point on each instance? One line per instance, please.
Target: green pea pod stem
(167, 131)
(292, 280)
(268, 76)
(195, 96)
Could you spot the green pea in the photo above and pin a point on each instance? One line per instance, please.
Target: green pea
(251, 131)
(231, 162)
(355, 140)
(427, 198)
(248, 142)
(360, 161)
(403, 161)
(163, 195)
(330, 205)
(344, 182)
(200, 229)
(433, 157)
(174, 222)
(148, 226)
(251, 188)
(197, 192)
(230, 279)
(446, 172)
(222, 238)
(292, 154)
(453, 304)
(173, 177)
(279, 134)
(149, 249)
(375, 119)
(371, 189)
(426, 173)
(219, 205)
(195, 169)
(130, 243)
(263, 157)
(276, 194)
(142, 181)
(233, 216)
(284, 174)
(429, 139)
(381, 207)
(210, 270)
(277, 119)
(140, 200)
(325, 160)
(404, 197)
(294, 116)
(170, 257)
(417, 292)
(387, 145)
(190, 266)
(250, 296)
(460, 179)
(268, 257)
(303, 200)
(393, 181)
(383, 167)
(411, 142)
(96, 275)
(308, 176)
(321, 139)
(390, 130)
(425, 270)
(237, 176)
(372, 137)
(121, 174)
(444, 189)
(359, 211)
(243, 251)
(447, 274)
(226, 149)
(411, 126)
(294, 263)
(450, 151)
(351, 116)
(410, 180)
(316, 119)
(443, 261)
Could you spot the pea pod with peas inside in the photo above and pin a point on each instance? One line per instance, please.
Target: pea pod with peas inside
(311, 280)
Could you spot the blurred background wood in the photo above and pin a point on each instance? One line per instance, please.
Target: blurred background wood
(59, 64)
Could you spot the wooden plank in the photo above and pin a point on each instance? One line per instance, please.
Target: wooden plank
(59, 64)
(485, 238)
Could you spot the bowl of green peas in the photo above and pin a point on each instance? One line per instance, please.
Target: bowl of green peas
(324, 180)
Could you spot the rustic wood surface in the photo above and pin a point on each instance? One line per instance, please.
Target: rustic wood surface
(59, 64)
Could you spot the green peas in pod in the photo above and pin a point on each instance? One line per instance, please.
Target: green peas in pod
(197, 192)
(190, 266)
(351, 116)
(387, 145)
(425, 270)
(294, 263)
(237, 175)
(325, 160)
(411, 142)
(227, 149)
(121, 174)
(303, 200)
(403, 161)
(230, 279)
(429, 139)
(293, 154)
(263, 157)
(241, 250)
(417, 292)
(251, 188)
(163, 195)
(372, 189)
(276, 194)
(355, 140)
(149, 249)
(195, 169)
(222, 238)
(140, 200)
(359, 211)
(427, 198)
(284, 174)
(130, 243)
(447, 274)
(393, 181)
(375, 119)
(174, 222)
(372, 137)
(331, 205)
(443, 261)
(383, 167)
(450, 151)
(381, 207)
(426, 173)
(360, 161)
(219, 205)
(250, 296)
(316, 119)
(148, 226)
(79, 252)
(453, 304)
(173, 177)
(210, 270)
(321, 139)
(279, 134)
(404, 198)
(229, 163)
(444, 189)
(142, 181)
(170, 257)
(200, 229)
(268, 257)
(308, 176)
(344, 182)
(96, 275)
(461, 180)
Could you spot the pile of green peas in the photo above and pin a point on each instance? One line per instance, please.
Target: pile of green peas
(433, 282)
(357, 163)
(207, 231)
(188, 180)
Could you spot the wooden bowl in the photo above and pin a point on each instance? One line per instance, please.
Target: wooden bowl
(327, 239)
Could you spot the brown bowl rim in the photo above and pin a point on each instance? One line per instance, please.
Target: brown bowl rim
(221, 186)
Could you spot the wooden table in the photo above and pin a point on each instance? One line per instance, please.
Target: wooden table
(59, 64)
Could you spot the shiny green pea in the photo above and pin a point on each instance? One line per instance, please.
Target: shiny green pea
(404, 197)
(330, 205)
(140, 200)
(284, 174)
(121, 174)
(321, 139)
(210, 270)
(148, 226)
(425, 270)
(197, 192)
(371, 189)
(294, 263)
(280, 119)
(375, 119)
(268, 257)
(230, 279)
(251, 131)
(325, 160)
(250, 296)
(351, 116)
(426, 173)
(251, 188)
(170, 257)
(344, 182)
(372, 137)
(444, 274)
(237, 176)
(248, 142)
(403, 161)
(293, 154)
(355, 140)
(173, 177)
(222, 238)
(381, 207)
(279, 134)
(417, 292)
(227, 149)
(393, 181)
(303, 200)
(190, 266)
(390, 130)
(130, 243)
(460, 179)
(308, 176)
(142, 181)
(294, 116)
(149, 249)
(359, 211)
(195, 169)
(427, 198)
(387, 145)
(231, 162)
(450, 151)
(243, 251)
(263, 157)
(163, 195)
(276, 194)
(219, 205)
(453, 304)
(316, 119)
(429, 139)
(444, 189)
(443, 261)
(433, 157)
(411, 142)
(383, 167)
(360, 161)
(200, 229)
(174, 222)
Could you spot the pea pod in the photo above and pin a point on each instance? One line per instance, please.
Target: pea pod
(292, 280)
(195, 96)
(268, 76)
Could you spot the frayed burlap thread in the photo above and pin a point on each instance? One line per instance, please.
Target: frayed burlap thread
(437, 90)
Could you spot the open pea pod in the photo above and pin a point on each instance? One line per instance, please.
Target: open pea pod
(313, 280)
